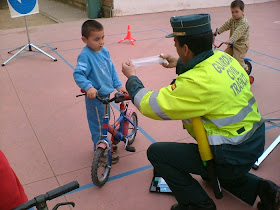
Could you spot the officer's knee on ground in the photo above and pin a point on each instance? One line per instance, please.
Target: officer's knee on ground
(152, 150)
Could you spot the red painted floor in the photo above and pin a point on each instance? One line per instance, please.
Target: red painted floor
(44, 131)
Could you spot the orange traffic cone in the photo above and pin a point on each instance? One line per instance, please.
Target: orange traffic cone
(128, 36)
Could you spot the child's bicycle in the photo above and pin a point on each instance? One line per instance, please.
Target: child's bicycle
(124, 129)
(246, 60)
(40, 200)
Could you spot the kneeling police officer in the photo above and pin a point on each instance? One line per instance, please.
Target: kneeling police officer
(211, 85)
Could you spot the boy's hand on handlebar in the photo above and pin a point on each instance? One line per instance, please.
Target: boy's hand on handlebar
(128, 69)
(172, 61)
(91, 93)
(122, 90)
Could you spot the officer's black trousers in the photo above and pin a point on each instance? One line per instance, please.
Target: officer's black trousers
(176, 161)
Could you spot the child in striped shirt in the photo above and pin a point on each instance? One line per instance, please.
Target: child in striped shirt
(239, 32)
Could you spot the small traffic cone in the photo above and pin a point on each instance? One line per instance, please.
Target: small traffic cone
(128, 36)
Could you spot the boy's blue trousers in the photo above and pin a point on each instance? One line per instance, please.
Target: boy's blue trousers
(95, 111)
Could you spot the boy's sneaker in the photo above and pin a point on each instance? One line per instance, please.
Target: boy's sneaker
(269, 194)
(115, 159)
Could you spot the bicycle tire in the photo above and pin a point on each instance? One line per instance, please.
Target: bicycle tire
(96, 164)
(249, 65)
(134, 119)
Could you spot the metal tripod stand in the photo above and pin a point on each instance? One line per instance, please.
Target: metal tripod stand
(271, 146)
(29, 45)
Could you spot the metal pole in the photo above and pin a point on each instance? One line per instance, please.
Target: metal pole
(29, 45)
(266, 152)
(28, 38)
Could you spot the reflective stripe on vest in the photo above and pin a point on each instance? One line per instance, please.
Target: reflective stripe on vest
(152, 102)
(155, 106)
(138, 97)
(219, 139)
(236, 118)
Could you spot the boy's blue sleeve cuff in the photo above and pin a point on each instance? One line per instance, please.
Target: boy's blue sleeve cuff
(88, 87)
(120, 86)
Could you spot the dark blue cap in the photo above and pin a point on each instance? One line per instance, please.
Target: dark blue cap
(190, 24)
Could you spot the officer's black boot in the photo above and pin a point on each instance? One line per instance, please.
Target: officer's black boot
(269, 194)
(208, 204)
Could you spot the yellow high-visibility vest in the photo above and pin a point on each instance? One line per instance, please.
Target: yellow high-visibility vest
(218, 90)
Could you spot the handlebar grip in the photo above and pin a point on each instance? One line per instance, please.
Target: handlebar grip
(62, 190)
(126, 97)
(49, 195)
(98, 98)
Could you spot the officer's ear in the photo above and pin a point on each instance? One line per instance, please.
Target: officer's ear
(186, 49)
(187, 52)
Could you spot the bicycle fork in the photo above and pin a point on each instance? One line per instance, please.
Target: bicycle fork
(104, 143)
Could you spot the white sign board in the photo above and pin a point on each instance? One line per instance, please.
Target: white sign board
(20, 8)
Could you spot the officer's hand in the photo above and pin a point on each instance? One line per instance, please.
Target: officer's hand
(122, 90)
(128, 69)
(91, 93)
(172, 61)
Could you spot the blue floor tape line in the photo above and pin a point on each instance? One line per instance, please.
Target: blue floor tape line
(146, 135)
(265, 65)
(62, 58)
(270, 127)
(113, 178)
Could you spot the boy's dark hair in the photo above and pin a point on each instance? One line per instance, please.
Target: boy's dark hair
(237, 3)
(91, 25)
(197, 43)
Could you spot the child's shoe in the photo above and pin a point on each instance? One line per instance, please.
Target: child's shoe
(115, 147)
(115, 159)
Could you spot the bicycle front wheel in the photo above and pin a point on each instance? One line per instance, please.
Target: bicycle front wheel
(100, 169)
(132, 129)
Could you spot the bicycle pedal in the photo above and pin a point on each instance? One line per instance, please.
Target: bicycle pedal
(130, 149)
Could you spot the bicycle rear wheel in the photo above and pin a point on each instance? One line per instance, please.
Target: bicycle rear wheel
(100, 169)
(132, 129)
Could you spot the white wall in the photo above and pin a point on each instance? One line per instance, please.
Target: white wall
(132, 7)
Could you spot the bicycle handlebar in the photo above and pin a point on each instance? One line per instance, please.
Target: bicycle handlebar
(218, 46)
(119, 97)
(49, 195)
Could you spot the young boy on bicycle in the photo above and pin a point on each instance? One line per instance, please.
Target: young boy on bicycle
(95, 73)
(239, 32)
